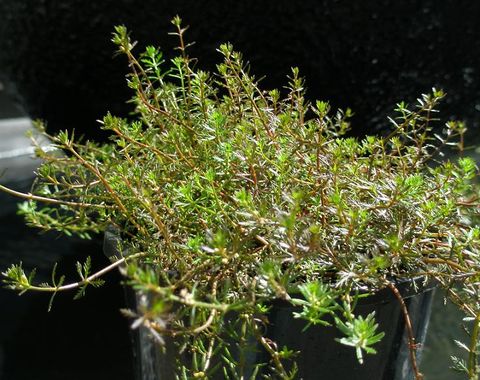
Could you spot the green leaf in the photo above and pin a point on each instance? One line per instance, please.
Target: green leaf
(361, 333)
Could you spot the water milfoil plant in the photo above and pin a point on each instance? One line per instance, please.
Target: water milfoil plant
(227, 197)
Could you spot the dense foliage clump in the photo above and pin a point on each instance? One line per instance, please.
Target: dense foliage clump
(228, 196)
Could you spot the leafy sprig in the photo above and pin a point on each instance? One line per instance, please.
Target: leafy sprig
(228, 196)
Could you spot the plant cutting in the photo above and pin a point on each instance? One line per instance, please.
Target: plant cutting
(228, 200)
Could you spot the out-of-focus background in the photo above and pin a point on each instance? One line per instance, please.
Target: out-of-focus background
(57, 63)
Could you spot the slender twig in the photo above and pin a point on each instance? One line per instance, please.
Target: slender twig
(187, 299)
(266, 343)
(241, 81)
(209, 354)
(472, 354)
(150, 208)
(207, 323)
(439, 260)
(32, 197)
(107, 186)
(142, 145)
(412, 346)
(99, 175)
(212, 315)
(89, 279)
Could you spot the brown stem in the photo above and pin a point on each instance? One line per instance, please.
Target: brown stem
(142, 145)
(87, 280)
(99, 175)
(412, 346)
(32, 197)
(107, 186)
(267, 344)
(212, 315)
(438, 260)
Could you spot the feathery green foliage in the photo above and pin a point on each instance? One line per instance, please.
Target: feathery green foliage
(228, 196)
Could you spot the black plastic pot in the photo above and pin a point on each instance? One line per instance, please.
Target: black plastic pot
(322, 357)
(321, 354)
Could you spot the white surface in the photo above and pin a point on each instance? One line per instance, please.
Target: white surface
(16, 151)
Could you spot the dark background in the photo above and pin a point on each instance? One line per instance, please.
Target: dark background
(56, 60)
(367, 55)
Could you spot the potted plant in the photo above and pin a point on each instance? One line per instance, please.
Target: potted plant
(230, 208)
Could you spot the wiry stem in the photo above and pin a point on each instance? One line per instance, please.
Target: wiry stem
(32, 197)
(472, 354)
(412, 346)
(267, 344)
(87, 280)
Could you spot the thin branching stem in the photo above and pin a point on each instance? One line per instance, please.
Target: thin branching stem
(33, 197)
(412, 345)
(89, 279)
